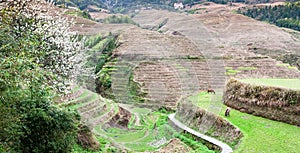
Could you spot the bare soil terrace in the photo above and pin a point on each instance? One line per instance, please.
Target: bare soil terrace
(197, 48)
(173, 55)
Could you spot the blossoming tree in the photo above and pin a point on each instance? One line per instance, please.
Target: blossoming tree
(38, 55)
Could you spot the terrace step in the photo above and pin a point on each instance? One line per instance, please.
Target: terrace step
(75, 93)
(94, 112)
(101, 119)
(86, 96)
(96, 102)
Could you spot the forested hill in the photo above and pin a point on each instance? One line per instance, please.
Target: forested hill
(117, 5)
(113, 4)
(287, 15)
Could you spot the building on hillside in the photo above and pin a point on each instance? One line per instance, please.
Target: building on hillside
(178, 6)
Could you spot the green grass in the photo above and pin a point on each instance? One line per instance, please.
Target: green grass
(230, 71)
(190, 141)
(140, 110)
(145, 138)
(73, 102)
(78, 149)
(246, 68)
(234, 11)
(83, 95)
(77, 88)
(260, 134)
(264, 135)
(105, 147)
(193, 11)
(292, 67)
(93, 98)
(78, 13)
(153, 135)
(129, 136)
(131, 121)
(201, 100)
(135, 140)
(154, 128)
(142, 138)
(205, 101)
(283, 83)
(283, 64)
(287, 65)
(180, 67)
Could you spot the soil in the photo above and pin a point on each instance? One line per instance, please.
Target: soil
(174, 146)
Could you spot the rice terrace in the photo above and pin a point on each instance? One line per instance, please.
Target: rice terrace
(129, 76)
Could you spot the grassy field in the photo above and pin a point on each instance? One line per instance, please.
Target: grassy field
(202, 100)
(264, 135)
(260, 134)
(153, 133)
(141, 110)
(284, 83)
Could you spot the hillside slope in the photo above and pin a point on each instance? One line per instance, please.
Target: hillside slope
(182, 54)
(231, 36)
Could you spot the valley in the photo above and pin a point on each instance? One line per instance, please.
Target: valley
(172, 56)
(138, 76)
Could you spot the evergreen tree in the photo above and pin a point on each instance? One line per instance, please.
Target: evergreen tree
(282, 15)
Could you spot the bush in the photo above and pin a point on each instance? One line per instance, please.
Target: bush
(118, 19)
(49, 129)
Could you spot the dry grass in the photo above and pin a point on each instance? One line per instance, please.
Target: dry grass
(238, 31)
(219, 32)
(233, 31)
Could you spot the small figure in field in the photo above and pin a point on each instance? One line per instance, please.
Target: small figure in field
(211, 91)
(227, 112)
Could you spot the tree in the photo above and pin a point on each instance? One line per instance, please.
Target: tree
(38, 53)
(282, 15)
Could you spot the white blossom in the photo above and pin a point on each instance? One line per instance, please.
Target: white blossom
(64, 55)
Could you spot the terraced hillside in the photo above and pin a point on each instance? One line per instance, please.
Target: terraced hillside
(170, 57)
(257, 37)
(205, 44)
(95, 28)
(125, 127)
(90, 106)
(158, 62)
(231, 36)
(178, 55)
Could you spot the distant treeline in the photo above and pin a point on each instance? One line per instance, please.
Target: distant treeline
(287, 15)
(280, 15)
(114, 5)
(239, 1)
(118, 19)
(122, 6)
(81, 4)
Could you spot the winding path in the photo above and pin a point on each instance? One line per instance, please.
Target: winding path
(225, 148)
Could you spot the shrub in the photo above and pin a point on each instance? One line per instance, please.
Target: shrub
(118, 19)
(49, 129)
